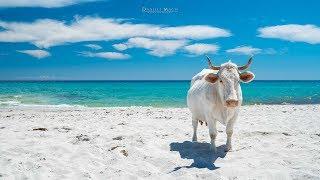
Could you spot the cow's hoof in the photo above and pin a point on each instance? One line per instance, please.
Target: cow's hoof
(194, 139)
(228, 148)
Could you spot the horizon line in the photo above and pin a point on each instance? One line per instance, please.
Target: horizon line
(124, 80)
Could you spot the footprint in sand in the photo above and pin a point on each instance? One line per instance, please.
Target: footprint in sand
(81, 138)
(118, 138)
(40, 129)
(124, 152)
(64, 129)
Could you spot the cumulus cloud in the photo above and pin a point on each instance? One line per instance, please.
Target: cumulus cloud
(93, 46)
(158, 48)
(199, 48)
(245, 50)
(36, 53)
(45, 33)
(121, 46)
(106, 55)
(292, 32)
(40, 3)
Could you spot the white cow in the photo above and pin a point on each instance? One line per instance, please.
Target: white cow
(215, 95)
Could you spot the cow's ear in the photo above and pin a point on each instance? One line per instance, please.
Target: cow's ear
(246, 77)
(212, 78)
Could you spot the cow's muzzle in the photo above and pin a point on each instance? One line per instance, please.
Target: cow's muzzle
(232, 103)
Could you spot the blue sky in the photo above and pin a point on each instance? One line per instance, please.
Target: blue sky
(156, 40)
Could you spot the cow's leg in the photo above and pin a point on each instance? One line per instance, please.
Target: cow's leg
(213, 133)
(229, 131)
(195, 126)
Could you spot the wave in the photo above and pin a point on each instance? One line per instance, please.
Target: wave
(11, 103)
(20, 104)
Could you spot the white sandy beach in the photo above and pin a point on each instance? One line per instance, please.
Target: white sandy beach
(270, 142)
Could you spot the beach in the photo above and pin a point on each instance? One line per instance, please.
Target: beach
(70, 142)
(103, 89)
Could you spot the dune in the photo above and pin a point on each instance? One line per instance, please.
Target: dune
(269, 142)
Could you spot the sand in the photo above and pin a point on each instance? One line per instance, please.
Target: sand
(269, 142)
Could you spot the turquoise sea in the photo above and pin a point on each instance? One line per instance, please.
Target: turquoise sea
(146, 93)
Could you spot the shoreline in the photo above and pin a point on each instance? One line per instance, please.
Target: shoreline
(133, 106)
(269, 142)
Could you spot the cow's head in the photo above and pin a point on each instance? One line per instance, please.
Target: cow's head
(228, 79)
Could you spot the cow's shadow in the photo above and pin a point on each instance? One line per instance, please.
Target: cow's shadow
(202, 155)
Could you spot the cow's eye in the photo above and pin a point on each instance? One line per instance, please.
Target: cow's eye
(221, 81)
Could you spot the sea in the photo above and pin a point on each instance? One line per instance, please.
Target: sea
(145, 93)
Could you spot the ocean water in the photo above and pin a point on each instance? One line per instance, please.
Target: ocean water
(146, 93)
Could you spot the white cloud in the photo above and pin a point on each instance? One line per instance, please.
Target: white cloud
(36, 53)
(45, 33)
(106, 55)
(292, 32)
(120, 47)
(158, 48)
(246, 50)
(269, 51)
(199, 48)
(93, 46)
(40, 3)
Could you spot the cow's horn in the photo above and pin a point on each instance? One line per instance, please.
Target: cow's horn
(211, 66)
(241, 68)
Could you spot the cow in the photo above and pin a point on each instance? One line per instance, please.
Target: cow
(215, 95)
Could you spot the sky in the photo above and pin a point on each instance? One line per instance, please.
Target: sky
(157, 39)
